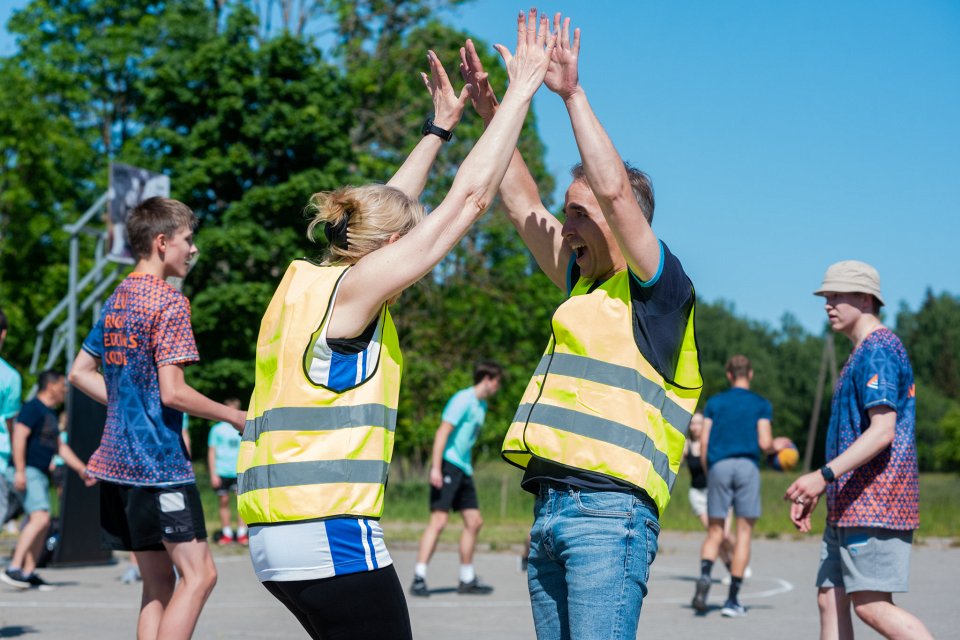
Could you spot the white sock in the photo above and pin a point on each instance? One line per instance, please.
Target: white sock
(241, 531)
(467, 573)
(420, 570)
(227, 531)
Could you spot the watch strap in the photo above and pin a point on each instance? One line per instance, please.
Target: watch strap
(827, 474)
(430, 128)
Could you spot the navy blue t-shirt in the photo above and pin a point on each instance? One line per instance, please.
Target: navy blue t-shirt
(661, 307)
(44, 439)
(734, 414)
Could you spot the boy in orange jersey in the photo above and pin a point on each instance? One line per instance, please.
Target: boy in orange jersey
(133, 362)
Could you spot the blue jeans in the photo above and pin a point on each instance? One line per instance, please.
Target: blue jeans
(590, 557)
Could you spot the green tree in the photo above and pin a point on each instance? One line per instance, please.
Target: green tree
(932, 337)
(65, 104)
(948, 448)
(248, 130)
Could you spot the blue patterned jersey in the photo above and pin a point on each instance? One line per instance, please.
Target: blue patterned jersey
(145, 324)
(884, 492)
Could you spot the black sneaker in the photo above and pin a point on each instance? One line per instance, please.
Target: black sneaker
(700, 597)
(474, 587)
(15, 578)
(419, 587)
(38, 583)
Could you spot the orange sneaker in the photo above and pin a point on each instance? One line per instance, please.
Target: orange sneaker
(243, 539)
(225, 540)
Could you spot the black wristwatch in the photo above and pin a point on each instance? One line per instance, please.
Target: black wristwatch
(827, 474)
(429, 127)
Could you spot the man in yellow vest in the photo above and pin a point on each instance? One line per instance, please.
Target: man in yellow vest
(601, 428)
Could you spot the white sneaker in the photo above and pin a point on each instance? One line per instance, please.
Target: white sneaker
(733, 610)
(131, 575)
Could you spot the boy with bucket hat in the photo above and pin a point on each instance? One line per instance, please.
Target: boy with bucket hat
(870, 477)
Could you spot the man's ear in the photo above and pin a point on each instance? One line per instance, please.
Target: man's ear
(160, 243)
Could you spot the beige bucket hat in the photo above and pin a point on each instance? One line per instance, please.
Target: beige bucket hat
(851, 276)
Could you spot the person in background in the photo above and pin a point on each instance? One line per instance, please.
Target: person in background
(11, 388)
(697, 495)
(451, 478)
(736, 430)
(185, 434)
(223, 447)
(36, 439)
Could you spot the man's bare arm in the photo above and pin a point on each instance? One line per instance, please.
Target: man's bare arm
(602, 165)
(538, 228)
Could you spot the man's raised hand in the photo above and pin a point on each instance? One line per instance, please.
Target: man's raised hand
(535, 45)
(562, 76)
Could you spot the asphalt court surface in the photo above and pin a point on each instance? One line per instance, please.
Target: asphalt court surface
(92, 603)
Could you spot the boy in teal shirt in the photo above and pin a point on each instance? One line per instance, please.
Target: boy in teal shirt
(451, 478)
(223, 446)
(11, 386)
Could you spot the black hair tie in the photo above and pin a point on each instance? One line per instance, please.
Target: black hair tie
(337, 233)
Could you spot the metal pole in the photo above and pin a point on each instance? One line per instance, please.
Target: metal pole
(817, 399)
(72, 298)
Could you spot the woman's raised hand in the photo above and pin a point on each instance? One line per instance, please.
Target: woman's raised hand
(528, 65)
(478, 82)
(447, 105)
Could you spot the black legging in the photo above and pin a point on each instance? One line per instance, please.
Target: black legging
(369, 604)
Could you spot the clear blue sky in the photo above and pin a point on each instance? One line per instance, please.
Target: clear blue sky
(780, 136)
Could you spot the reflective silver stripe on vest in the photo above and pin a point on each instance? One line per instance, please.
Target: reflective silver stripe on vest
(603, 430)
(296, 474)
(321, 419)
(620, 377)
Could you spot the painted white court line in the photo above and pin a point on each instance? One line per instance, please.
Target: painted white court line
(132, 605)
(780, 586)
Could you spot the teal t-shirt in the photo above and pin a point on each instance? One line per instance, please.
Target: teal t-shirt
(11, 387)
(466, 413)
(225, 441)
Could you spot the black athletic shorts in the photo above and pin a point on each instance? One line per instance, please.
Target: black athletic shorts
(143, 518)
(227, 486)
(458, 492)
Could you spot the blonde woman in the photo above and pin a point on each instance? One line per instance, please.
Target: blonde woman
(319, 436)
(697, 494)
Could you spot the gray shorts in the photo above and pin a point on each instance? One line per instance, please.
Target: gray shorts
(733, 482)
(865, 559)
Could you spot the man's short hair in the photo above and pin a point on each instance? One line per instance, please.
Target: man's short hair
(486, 369)
(47, 378)
(738, 366)
(3, 321)
(154, 216)
(639, 181)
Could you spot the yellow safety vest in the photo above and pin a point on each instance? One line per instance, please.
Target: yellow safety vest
(595, 402)
(309, 452)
